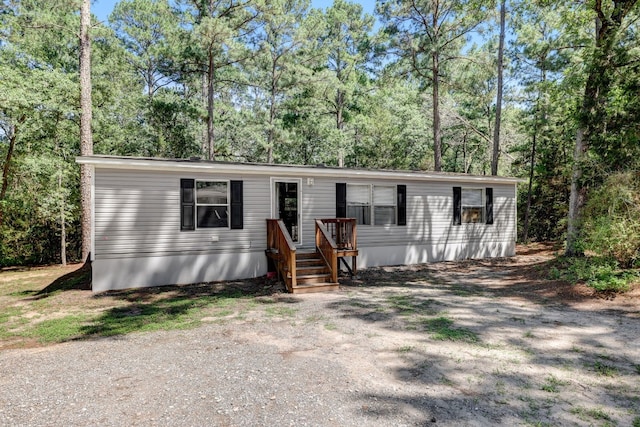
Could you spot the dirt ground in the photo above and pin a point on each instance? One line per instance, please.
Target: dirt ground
(476, 342)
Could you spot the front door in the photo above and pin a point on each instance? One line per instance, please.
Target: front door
(287, 207)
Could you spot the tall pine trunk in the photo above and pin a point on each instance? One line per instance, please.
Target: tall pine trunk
(63, 225)
(86, 138)
(435, 94)
(211, 75)
(496, 130)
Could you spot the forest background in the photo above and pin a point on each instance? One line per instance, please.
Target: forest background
(414, 86)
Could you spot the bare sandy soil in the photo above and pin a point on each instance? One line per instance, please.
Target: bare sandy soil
(487, 342)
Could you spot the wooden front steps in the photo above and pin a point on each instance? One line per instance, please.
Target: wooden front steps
(312, 275)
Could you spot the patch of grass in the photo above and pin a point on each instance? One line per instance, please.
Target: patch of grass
(636, 422)
(442, 329)
(405, 349)
(460, 292)
(552, 384)
(280, 311)
(9, 312)
(24, 293)
(162, 315)
(9, 317)
(402, 303)
(314, 318)
(594, 413)
(529, 334)
(446, 381)
(59, 330)
(637, 368)
(605, 370)
(330, 326)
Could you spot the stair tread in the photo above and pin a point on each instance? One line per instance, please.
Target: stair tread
(306, 276)
(318, 284)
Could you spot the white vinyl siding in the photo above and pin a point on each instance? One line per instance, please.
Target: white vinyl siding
(429, 206)
(137, 213)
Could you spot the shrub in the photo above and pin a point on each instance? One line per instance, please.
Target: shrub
(600, 273)
(611, 227)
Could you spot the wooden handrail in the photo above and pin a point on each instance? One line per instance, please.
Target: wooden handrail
(328, 249)
(343, 231)
(279, 241)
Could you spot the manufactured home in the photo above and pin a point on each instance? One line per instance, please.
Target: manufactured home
(161, 222)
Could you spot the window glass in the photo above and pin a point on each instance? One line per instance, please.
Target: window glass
(212, 205)
(211, 193)
(472, 207)
(384, 201)
(359, 203)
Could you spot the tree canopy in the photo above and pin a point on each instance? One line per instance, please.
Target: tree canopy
(416, 86)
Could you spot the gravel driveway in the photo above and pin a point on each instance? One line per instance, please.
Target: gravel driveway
(432, 345)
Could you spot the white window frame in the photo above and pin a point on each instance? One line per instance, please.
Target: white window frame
(394, 189)
(469, 206)
(227, 205)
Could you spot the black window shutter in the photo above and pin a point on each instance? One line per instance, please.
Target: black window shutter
(236, 205)
(187, 204)
(402, 204)
(457, 205)
(341, 200)
(488, 195)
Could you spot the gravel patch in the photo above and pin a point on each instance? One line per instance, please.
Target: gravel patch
(400, 347)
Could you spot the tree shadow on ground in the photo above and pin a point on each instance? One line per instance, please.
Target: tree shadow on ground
(79, 280)
(178, 307)
(481, 297)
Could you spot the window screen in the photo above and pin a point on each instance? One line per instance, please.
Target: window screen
(359, 203)
(384, 205)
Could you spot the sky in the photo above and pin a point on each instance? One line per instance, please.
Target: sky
(102, 8)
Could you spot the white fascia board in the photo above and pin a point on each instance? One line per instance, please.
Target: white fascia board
(282, 170)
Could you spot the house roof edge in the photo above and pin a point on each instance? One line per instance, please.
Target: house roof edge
(197, 165)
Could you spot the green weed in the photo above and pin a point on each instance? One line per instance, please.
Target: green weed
(405, 349)
(314, 318)
(594, 413)
(280, 311)
(402, 303)
(442, 329)
(552, 384)
(605, 370)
